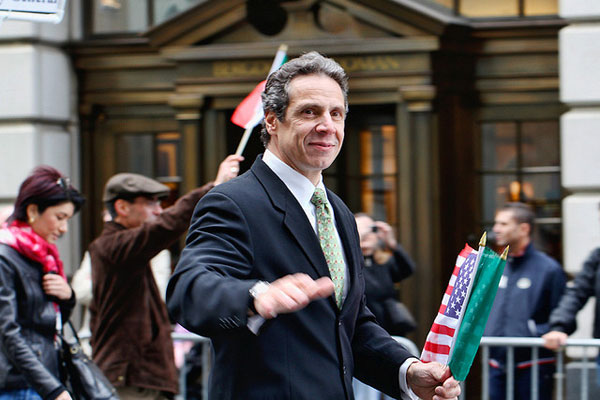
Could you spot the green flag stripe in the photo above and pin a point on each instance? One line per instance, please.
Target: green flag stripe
(489, 272)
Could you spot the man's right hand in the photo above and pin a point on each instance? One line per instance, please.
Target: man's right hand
(432, 381)
(554, 339)
(291, 293)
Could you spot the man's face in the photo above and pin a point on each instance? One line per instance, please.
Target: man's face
(141, 209)
(507, 230)
(312, 133)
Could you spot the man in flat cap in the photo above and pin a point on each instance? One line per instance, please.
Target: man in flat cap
(131, 332)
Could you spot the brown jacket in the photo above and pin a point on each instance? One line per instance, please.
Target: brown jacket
(131, 331)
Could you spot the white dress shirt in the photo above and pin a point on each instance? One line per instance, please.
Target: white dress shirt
(302, 189)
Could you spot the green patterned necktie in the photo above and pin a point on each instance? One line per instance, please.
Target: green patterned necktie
(329, 243)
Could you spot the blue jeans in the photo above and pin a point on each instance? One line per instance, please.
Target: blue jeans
(19, 394)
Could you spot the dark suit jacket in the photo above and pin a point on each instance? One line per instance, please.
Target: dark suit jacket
(252, 228)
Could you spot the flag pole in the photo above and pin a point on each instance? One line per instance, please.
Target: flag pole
(482, 243)
(243, 141)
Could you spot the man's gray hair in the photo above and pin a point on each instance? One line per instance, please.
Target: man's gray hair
(275, 98)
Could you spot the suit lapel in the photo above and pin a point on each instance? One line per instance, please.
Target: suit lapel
(294, 217)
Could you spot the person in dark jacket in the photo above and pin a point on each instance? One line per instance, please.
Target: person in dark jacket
(562, 320)
(131, 331)
(34, 294)
(529, 290)
(386, 263)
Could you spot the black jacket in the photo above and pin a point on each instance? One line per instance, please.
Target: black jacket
(379, 284)
(28, 358)
(253, 228)
(585, 285)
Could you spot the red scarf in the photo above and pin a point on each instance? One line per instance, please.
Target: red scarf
(23, 239)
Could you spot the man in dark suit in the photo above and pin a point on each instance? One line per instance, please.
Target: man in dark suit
(272, 268)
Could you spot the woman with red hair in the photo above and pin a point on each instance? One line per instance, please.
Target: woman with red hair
(34, 294)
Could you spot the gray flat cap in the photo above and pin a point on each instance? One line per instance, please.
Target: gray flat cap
(129, 184)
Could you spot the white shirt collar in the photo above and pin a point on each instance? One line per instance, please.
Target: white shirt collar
(302, 189)
(300, 186)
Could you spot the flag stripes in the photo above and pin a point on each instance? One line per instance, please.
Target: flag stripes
(446, 324)
(249, 112)
(460, 260)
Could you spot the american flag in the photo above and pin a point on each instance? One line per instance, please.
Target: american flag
(438, 344)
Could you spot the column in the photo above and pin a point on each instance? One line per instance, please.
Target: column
(38, 122)
(580, 137)
(418, 198)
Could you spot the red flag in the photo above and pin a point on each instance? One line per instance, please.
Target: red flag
(447, 322)
(249, 112)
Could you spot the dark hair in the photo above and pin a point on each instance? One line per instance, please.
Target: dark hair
(522, 213)
(45, 187)
(275, 98)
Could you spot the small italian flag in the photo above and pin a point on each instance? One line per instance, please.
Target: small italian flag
(249, 112)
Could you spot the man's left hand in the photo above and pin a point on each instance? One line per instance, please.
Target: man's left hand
(432, 381)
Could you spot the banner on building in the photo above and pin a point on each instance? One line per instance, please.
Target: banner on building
(36, 11)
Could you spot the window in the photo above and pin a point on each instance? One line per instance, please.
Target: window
(378, 172)
(489, 8)
(503, 8)
(365, 173)
(520, 161)
(133, 16)
(118, 16)
(132, 156)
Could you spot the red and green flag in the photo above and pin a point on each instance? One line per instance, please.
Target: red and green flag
(489, 271)
(249, 112)
(457, 330)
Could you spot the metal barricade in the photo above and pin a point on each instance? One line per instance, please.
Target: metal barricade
(192, 337)
(486, 343)
(534, 343)
(412, 348)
